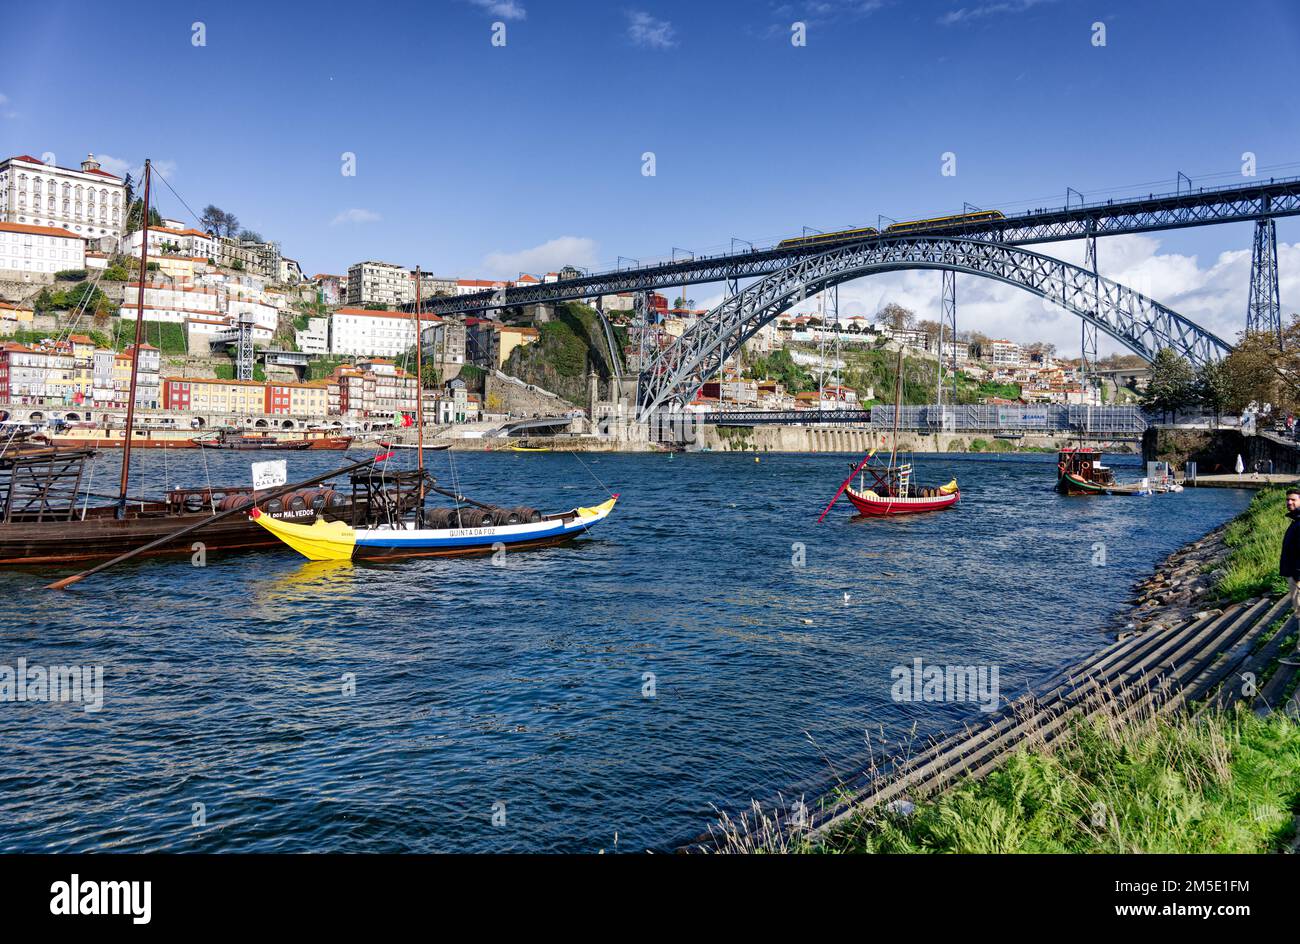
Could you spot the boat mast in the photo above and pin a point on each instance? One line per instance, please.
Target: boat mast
(139, 339)
(898, 404)
(419, 387)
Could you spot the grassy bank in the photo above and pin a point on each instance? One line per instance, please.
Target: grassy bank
(1254, 540)
(1228, 783)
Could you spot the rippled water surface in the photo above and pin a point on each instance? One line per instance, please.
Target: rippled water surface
(522, 688)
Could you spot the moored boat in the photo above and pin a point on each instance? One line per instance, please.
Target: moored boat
(902, 499)
(457, 532)
(892, 490)
(246, 443)
(47, 516)
(1080, 471)
(469, 527)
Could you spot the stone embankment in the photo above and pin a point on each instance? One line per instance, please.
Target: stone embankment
(1181, 587)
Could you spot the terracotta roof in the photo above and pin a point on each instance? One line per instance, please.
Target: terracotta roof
(38, 230)
(28, 158)
(101, 173)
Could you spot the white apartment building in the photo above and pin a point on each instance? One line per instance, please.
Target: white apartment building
(168, 301)
(181, 241)
(1003, 353)
(379, 283)
(31, 253)
(361, 332)
(89, 202)
(315, 338)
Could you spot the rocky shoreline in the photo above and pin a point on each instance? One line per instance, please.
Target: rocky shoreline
(1181, 587)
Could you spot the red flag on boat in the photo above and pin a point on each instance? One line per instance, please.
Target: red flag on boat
(406, 420)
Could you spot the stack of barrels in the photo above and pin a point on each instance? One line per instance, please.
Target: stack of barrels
(473, 517)
(315, 499)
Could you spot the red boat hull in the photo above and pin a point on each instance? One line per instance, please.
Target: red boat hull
(876, 506)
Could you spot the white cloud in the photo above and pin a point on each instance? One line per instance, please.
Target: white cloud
(965, 14)
(548, 257)
(644, 30)
(121, 167)
(356, 215)
(506, 9)
(5, 111)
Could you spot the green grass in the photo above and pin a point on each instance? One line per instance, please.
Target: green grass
(322, 367)
(1224, 783)
(227, 371)
(1254, 540)
(167, 336)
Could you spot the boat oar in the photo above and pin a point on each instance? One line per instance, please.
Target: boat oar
(845, 483)
(189, 529)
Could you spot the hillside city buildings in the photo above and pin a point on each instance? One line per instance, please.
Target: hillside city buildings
(72, 222)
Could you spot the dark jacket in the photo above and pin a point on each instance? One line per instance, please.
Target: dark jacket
(1290, 566)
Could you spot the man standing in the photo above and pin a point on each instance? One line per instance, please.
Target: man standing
(1290, 565)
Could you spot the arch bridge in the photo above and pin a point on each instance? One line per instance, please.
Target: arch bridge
(1136, 321)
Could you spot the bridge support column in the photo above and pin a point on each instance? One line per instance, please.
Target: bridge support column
(1089, 336)
(948, 325)
(1264, 308)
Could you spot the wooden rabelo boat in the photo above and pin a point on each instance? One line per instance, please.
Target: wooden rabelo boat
(466, 528)
(48, 517)
(892, 492)
(892, 489)
(1079, 471)
(246, 443)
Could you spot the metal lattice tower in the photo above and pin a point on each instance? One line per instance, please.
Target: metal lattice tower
(244, 348)
(1089, 342)
(1264, 310)
(948, 324)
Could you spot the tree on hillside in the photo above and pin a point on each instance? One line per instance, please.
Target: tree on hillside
(932, 329)
(250, 236)
(1172, 385)
(897, 317)
(1261, 374)
(218, 222)
(134, 213)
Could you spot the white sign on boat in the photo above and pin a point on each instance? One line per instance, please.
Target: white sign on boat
(270, 474)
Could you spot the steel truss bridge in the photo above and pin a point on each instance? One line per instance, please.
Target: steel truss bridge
(1141, 323)
(987, 248)
(1259, 201)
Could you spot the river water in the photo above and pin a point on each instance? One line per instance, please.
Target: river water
(708, 645)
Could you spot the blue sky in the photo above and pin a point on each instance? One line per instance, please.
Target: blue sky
(480, 160)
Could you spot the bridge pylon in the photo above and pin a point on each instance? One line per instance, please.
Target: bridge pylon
(1089, 329)
(948, 329)
(1264, 308)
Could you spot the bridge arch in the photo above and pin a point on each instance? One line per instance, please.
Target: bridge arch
(1136, 321)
